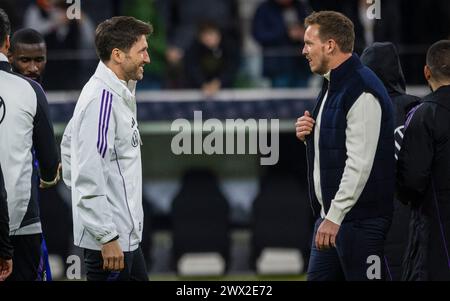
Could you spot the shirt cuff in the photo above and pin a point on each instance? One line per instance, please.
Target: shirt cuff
(108, 237)
(335, 214)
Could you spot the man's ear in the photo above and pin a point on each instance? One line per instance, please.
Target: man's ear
(7, 43)
(331, 46)
(427, 72)
(117, 56)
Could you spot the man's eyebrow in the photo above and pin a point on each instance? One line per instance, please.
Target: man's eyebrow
(30, 56)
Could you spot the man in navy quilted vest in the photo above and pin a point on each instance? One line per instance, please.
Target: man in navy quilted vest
(349, 138)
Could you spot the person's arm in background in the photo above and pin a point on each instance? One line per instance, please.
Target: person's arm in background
(6, 249)
(95, 130)
(415, 157)
(44, 142)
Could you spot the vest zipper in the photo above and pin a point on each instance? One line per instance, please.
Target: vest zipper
(309, 181)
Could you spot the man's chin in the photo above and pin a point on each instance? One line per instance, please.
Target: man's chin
(36, 79)
(139, 76)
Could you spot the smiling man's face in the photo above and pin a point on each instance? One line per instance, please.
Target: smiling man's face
(135, 60)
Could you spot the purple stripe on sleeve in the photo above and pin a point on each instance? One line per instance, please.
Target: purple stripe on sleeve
(100, 120)
(107, 126)
(410, 115)
(105, 112)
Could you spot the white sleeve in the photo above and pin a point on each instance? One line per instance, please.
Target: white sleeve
(363, 129)
(96, 133)
(65, 154)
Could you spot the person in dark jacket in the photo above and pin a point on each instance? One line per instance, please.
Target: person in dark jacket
(423, 173)
(383, 59)
(278, 27)
(6, 249)
(349, 140)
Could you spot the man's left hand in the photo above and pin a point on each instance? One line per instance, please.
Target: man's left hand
(326, 235)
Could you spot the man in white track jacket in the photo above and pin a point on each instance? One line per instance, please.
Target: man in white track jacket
(102, 158)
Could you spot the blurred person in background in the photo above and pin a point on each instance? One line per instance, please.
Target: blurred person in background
(372, 25)
(278, 27)
(383, 59)
(182, 19)
(70, 43)
(211, 61)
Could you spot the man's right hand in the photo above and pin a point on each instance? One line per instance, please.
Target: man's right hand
(6, 266)
(304, 126)
(113, 258)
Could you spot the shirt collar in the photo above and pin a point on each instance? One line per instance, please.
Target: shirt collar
(327, 75)
(3, 58)
(125, 90)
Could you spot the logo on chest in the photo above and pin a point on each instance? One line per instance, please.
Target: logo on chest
(135, 139)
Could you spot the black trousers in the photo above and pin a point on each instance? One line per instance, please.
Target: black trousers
(359, 252)
(135, 267)
(26, 258)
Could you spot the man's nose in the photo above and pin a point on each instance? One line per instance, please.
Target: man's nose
(304, 52)
(147, 58)
(33, 67)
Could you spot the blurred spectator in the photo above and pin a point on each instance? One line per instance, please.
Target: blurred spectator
(65, 41)
(211, 61)
(148, 11)
(278, 27)
(182, 19)
(368, 30)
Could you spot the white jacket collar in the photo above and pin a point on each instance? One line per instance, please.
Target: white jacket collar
(3, 58)
(126, 91)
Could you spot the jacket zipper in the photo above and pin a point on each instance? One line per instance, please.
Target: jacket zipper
(309, 180)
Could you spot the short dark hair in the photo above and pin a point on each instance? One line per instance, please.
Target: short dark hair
(26, 36)
(334, 25)
(438, 59)
(119, 32)
(5, 27)
(208, 26)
